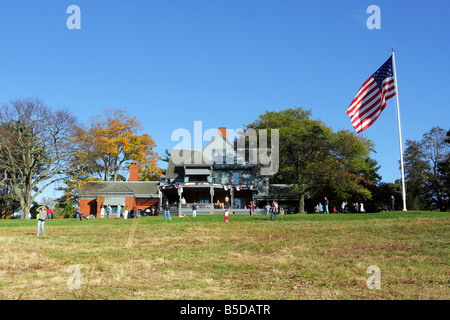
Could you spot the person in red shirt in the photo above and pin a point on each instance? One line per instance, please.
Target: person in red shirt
(49, 213)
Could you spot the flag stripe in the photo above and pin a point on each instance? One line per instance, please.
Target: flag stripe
(365, 101)
(371, 98)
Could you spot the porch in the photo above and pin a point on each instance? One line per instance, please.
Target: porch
(205, 209)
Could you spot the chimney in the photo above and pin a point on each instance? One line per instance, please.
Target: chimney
(223, 131)
(134, 171)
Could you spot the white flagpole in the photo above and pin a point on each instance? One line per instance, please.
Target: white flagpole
(399, 132)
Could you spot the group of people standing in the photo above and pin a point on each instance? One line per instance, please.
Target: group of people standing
(355, 207)
(272, 209)
(133, 213)
(319, 208)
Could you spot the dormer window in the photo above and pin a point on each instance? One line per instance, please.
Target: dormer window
(220, 158)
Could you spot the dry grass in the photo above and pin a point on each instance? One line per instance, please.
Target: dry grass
(296, 257)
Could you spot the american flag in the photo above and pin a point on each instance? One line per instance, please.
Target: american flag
(371, 97)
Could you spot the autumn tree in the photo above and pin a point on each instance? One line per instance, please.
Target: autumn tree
(36, 148)
(110, 142)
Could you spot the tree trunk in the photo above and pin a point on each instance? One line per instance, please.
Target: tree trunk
(301, 203)
(25, 204)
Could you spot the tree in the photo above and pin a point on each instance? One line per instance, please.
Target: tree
(5, 198)
(112, 141)
(314, 159)
(416, 168)
(423, 160)
(36, 147)
(348, 169)
(444, 168)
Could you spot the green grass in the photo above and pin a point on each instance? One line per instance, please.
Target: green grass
(302, 256)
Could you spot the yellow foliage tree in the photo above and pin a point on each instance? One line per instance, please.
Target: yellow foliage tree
(112, 140)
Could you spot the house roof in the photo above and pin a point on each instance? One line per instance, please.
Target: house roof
(138, 189)
(195, 156)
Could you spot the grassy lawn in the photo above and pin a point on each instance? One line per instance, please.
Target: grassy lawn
(297, 257)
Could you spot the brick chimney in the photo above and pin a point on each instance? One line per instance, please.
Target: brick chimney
(223, 131)
(134, 171)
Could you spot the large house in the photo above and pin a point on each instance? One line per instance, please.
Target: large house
(215, 177)
(218, 177)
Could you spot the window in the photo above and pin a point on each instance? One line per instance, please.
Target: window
(247, 177)
(216, 177)
(235, 177)
(224, 178)
(220, 158)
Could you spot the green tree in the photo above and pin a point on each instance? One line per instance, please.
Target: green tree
(416, 168)
(444, 169)
(314, 159)
(423, 164)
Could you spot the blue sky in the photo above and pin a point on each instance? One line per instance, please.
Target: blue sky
(171, 63)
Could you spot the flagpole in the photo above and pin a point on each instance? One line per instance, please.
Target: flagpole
(399, 132)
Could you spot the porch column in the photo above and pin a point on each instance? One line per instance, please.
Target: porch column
(211, 191)
(160, 199)
(232, 199)
(180, 192)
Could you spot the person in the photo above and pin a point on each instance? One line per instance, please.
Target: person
(147, 212)
(343, 206)
(80, 214)
(274, 211)
(194, 209)
(326, 206)
(252, 208)
(183, 200)
(133, 213)
(125, 214)
(102, 212)
(119, 211)
(226, 216)
(227, 202)
(166, 208)
(108, 211)
(316, 209)
(320, 207)
(49, 213)
(267, 209)
(20, 213)
(393, 203)
(41, 220)
(334, 210)
(361, 208)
